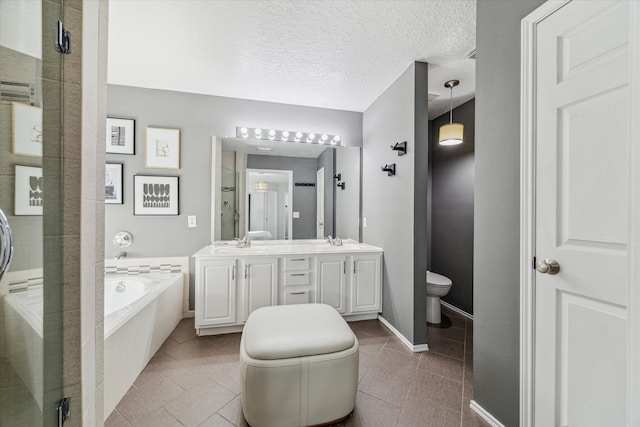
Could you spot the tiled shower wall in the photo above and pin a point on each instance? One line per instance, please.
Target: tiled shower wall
(94, 111)
(75, 228)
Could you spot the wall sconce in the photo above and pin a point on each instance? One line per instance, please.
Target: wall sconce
(451, 133)
(261, 186)
(389, 169)
(400, 147)
(288, 135)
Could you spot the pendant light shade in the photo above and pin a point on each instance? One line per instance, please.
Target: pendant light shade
(261, 186)
(451, 133)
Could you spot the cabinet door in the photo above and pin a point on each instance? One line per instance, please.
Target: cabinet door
(215, 292)
(365, 283)
(260, 283)
(331, 281)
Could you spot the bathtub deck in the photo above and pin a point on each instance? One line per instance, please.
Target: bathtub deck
(195, 381)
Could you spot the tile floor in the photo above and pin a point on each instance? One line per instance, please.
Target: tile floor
(195, 381)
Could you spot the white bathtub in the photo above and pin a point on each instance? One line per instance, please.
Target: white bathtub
(23, 333)
(138, 319)
(140, 313)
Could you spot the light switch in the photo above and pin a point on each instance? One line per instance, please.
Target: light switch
(191, 221)
(296, 214)
(364, 222)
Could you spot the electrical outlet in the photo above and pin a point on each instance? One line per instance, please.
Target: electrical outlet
(296, 214)
(191, 221)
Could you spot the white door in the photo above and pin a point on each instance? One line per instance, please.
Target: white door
(582, 203)
(320, 204)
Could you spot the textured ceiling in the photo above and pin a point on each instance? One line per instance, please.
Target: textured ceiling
(332, 54)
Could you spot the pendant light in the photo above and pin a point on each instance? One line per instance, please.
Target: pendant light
(451, 133)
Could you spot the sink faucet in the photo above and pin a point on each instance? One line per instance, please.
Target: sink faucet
(122, 254)
(243, 243)
(334, 241)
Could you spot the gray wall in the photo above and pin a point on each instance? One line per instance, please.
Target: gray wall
(198, 117)
(496, 228)
(304, 198)
(395, 206)
(451, 231)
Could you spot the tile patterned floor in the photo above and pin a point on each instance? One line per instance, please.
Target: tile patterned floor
(194, 381)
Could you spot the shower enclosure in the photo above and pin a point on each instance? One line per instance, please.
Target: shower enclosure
(30, 173)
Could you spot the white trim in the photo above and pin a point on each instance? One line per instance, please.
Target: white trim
(527, 205)
(633, 309)
(484, 414)
(457, 310)
(415, 348)
(189, 314)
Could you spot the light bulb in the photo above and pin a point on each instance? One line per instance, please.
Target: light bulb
(272, 135)
(243, 132)
(258, 132)
(285, 135)
(323, 138)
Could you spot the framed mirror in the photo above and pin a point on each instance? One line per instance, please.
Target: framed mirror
(274, 190)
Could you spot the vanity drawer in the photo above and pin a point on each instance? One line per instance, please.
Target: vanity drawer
(296, 296)
(296, 263)
(293, 278)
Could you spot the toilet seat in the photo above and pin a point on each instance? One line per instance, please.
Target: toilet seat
(435, 279)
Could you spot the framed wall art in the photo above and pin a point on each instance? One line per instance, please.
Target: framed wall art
(162, 148)
(113, 184)
(29, 190)
(121, 136)
(155, 195)
(27, 129)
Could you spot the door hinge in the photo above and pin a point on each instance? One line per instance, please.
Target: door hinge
(533, 264)
(63, 39)
(63, 408)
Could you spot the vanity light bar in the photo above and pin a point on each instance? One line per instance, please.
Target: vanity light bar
(288, 135)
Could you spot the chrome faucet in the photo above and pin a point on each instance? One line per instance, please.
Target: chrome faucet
(334, 241)
(122, 254)
(243, 243)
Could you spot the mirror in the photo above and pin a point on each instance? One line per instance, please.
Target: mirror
(274, 190)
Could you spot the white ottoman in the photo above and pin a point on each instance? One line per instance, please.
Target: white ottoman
(299, 366)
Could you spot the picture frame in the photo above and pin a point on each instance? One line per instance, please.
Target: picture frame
(162, 148)
(121, 136)
(27, 129)
(113, 184)
(29, 190)
(155, 195)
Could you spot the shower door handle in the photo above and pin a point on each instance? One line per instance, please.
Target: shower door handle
(6, 244)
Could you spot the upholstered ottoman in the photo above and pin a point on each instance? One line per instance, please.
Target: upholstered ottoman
(299, 366)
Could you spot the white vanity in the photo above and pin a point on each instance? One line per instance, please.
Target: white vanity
(231, 282)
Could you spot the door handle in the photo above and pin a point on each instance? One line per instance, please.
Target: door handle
(549, 266)
(6, 244)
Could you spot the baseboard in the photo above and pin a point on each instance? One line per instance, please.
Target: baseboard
(456, 309)
(484, 414)
(188, 314)
(415, 348)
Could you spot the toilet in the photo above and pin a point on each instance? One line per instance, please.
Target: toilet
(437, 286)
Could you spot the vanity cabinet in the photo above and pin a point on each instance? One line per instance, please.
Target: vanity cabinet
(233, 282)
(366, 283)
(216, 292)
(260, 283)
(330, 287)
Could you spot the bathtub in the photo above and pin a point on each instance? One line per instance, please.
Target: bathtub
(141, 311)
(23, 334)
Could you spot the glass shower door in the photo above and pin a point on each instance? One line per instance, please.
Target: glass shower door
(30, 129)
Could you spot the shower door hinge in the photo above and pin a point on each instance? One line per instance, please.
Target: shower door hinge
(63, 39)
(62, 409)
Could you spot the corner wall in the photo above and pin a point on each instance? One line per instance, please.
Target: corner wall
(497, 214)
(395, 206)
